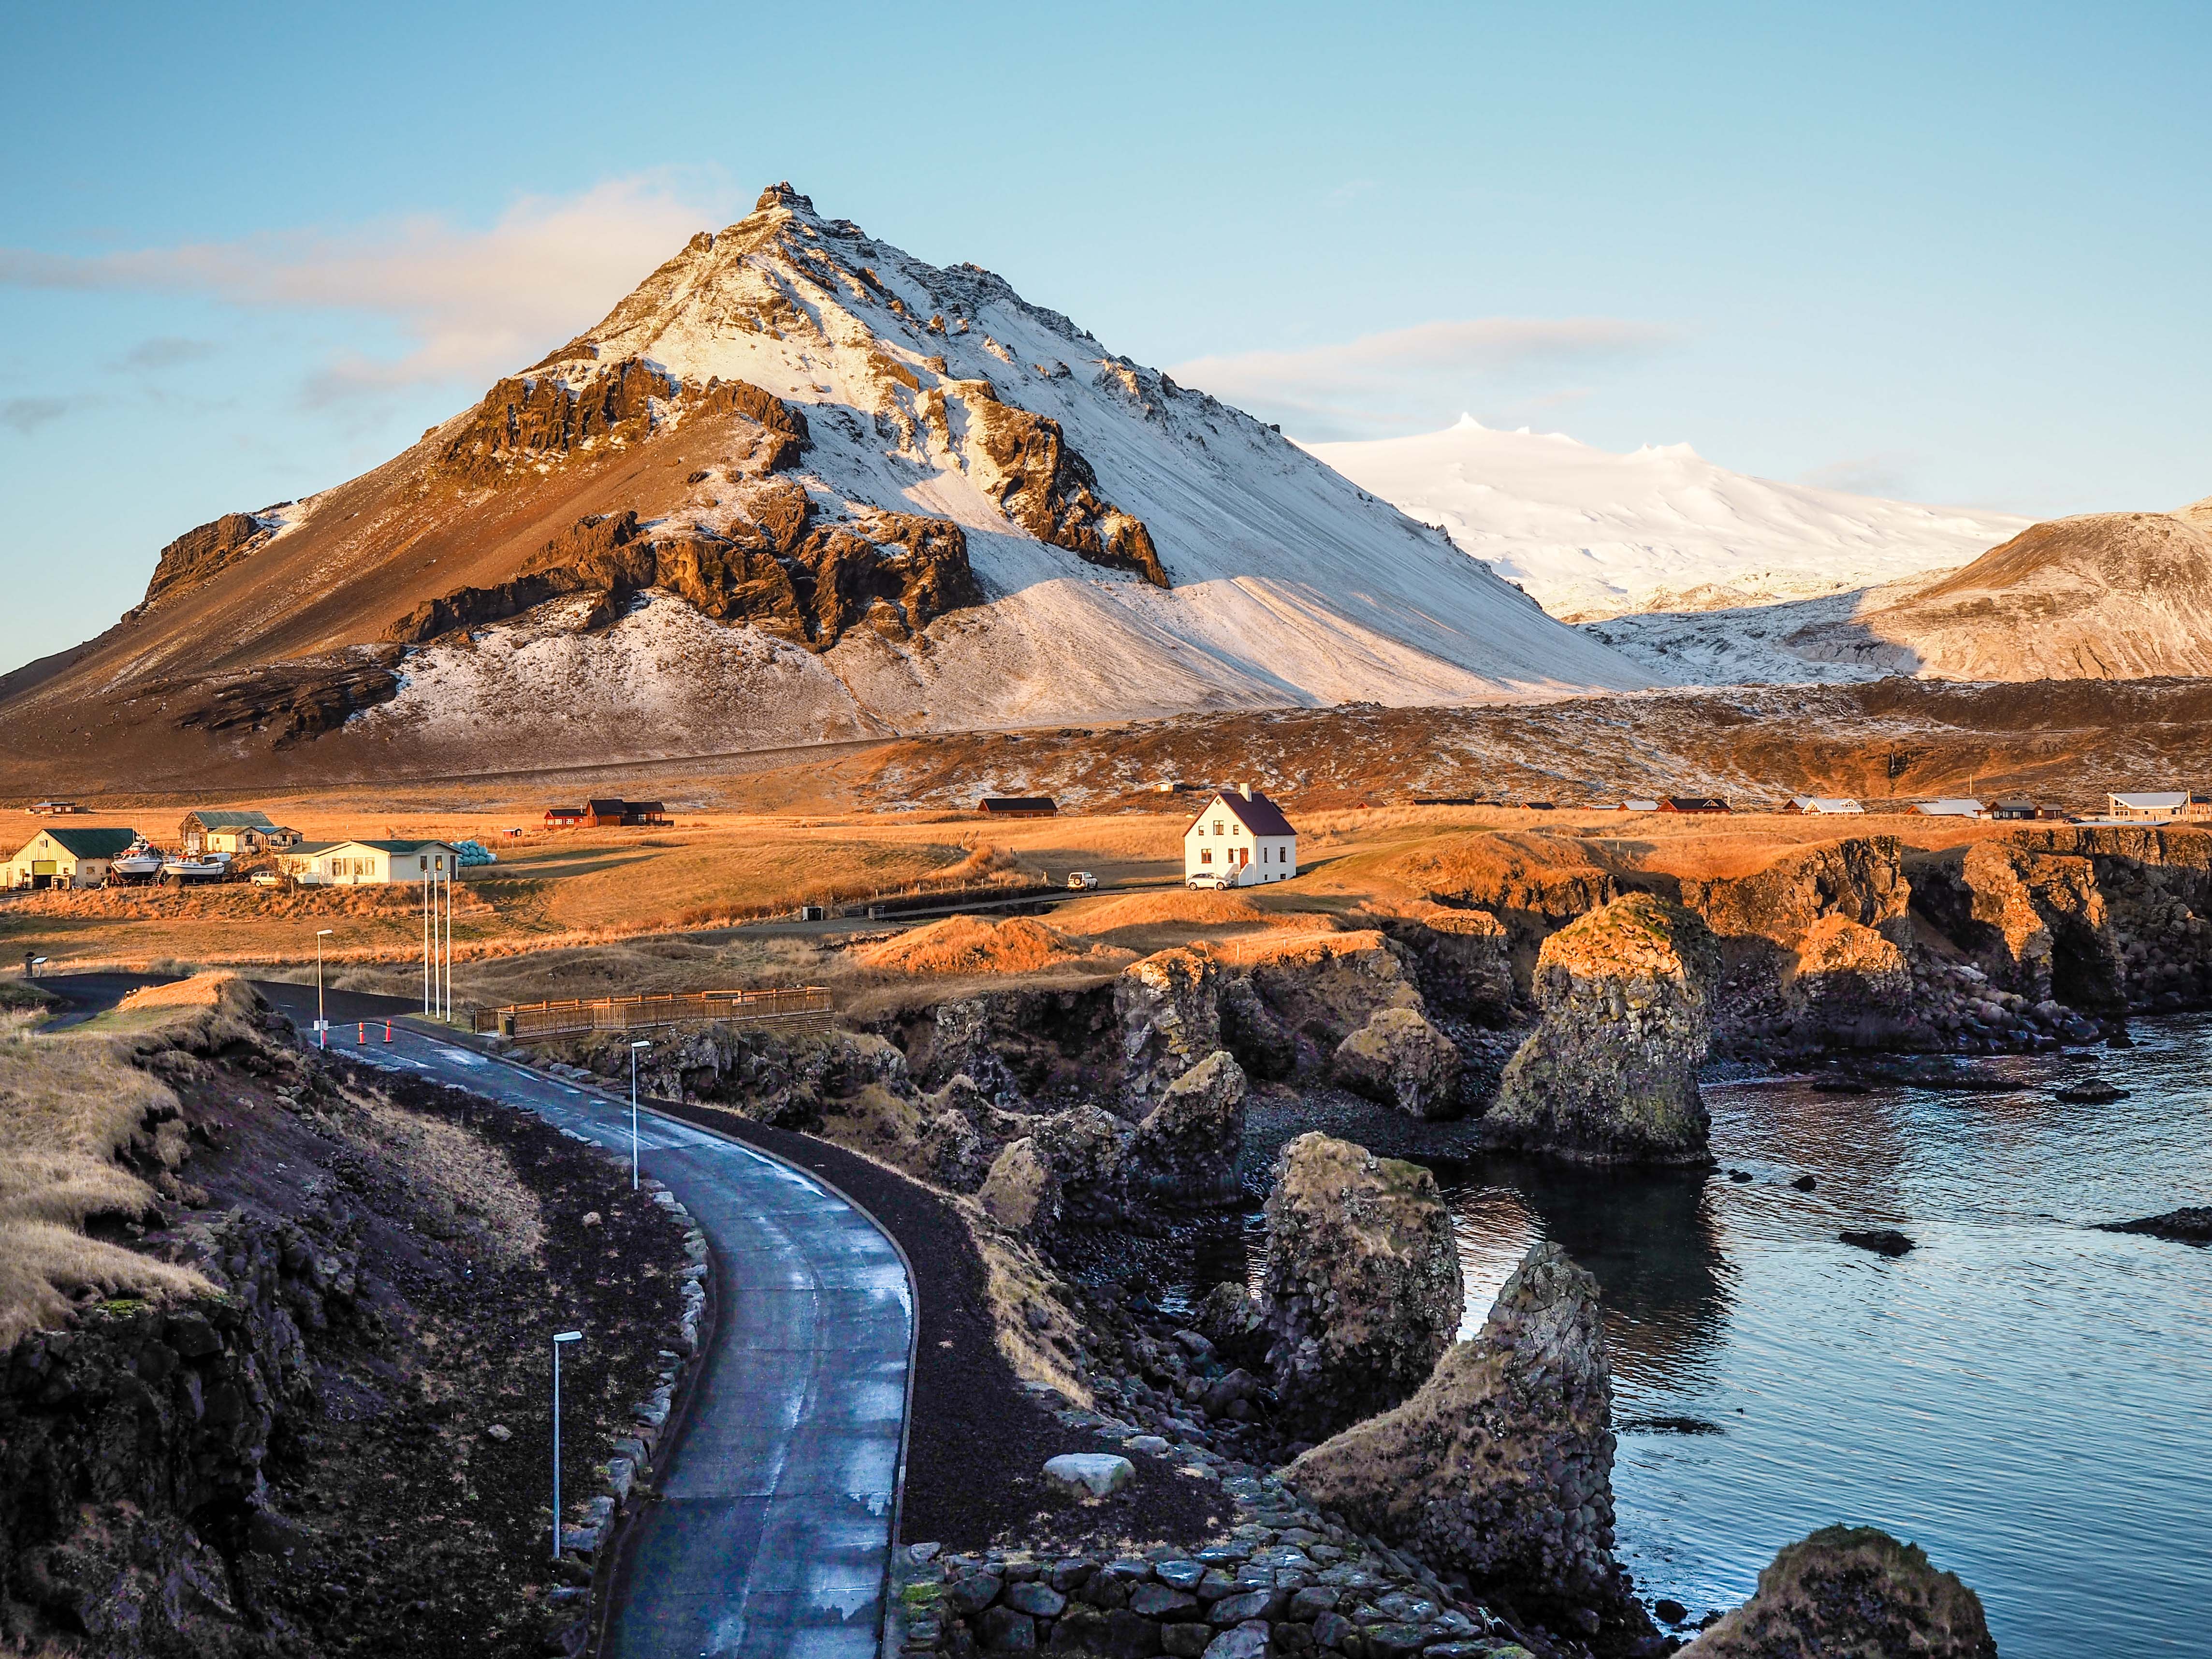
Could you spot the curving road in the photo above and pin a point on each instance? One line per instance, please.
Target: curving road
(773, 1532)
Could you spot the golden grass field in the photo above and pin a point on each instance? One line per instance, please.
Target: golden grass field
(590, 912)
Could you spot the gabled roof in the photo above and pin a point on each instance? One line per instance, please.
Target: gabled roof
(2152, 801)
(1259, 815)
(212, 819)
(307, 849)
(1696, 803)
(87, 842)
(1955, 806)
(317, 848)
(1825, 804)
(606, 807)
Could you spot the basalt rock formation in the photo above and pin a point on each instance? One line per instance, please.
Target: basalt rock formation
(1861, 878)
(1851, 1593)
(1610, 1074)
(809, 583)
(1501, 1465)
(1361, 1292)
(197, 555)
(1849, 982)
(2098, 917)
(1169, 1008)
(1400, 1059)
(1324, 989)
(1463, 958)
(1044, 486)
(1186, 1150)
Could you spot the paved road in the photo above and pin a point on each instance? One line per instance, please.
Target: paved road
(774, 1531)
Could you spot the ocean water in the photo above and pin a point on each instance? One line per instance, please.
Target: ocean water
(2028, 1398)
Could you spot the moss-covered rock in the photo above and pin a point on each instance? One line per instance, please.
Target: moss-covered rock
(1400, 1059)
(1501, 1465)
(1611, 1073)
(1851, 1593)
(1362, 1290)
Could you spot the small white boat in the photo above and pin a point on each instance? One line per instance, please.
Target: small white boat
(213, 867)
(140, 858)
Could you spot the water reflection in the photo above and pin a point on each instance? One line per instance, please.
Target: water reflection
(1649, 1237)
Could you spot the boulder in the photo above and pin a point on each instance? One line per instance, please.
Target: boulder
(1088, 1474)
(1851, 1593)
(1020, 1193)
(2192, 1225)
(1610, 1074)
(1361, 1290)
(1187, 1150)
(1400, 1059)
(1170, 1018)
(1501, 1465)
(1084, 1146)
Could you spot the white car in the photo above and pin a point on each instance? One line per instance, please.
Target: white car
(1081, 881)
(1208, 882)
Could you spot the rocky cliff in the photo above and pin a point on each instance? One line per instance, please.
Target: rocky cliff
(1611, 1071)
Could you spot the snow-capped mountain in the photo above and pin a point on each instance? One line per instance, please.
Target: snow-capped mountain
(1593, 534)
(801, 485)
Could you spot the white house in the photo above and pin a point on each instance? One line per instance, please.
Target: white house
(1241, 835)
(2157, 807)
(73, 857)
(367, 863)
(1823, 804)
(1953, 807)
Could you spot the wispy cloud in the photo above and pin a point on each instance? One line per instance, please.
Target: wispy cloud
(470, 302)
(1895, 476)
(165, 351)
(28, 415)
(1380, 381)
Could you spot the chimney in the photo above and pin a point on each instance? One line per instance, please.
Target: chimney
(1245, 790)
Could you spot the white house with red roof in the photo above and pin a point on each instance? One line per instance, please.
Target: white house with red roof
(1241, 835)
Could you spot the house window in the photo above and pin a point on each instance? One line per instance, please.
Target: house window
(1217, 826)
(1206, 855)
(424, 862)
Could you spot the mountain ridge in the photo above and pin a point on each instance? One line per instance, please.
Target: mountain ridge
(863, 495)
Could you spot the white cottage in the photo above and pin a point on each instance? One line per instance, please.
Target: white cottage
(1241, 835)
(368, 863)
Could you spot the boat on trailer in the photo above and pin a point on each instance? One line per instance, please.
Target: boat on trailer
(140, 862)
(213, 867)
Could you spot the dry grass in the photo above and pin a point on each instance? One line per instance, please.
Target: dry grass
(973, 944)
(71, 1104)
(463, 1176)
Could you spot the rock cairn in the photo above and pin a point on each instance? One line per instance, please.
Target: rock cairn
(1611, 1073)
(1187, 1151)
(1852, 1590)
(1400, 1059)
(1362, 1290)
(1501, 1467)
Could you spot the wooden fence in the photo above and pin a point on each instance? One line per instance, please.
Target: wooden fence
(531, 1019)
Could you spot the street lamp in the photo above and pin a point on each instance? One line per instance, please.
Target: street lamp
(643, 1043)
(560, 1341)
(322, 1025)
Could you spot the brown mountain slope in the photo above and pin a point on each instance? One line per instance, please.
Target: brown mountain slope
(2105, 596)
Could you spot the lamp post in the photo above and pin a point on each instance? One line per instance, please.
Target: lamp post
(560, 1341)
(645, 1042)
(322, 1025)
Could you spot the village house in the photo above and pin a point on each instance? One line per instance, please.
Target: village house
(49, 809)
(1822, 806)
(608, 813)
(1640, 803)
(1951, 806)
(367, 863)
(2016, 811)
(2158, 806)
(1694, 804)
(240, 834)
(1017, 807)
(1241, 835)
(71, 857)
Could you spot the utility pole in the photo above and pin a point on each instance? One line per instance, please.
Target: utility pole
(644, 1043)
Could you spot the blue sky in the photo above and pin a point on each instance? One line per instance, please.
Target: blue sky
(1956, 253)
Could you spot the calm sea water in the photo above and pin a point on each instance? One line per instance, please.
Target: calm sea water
(2029, 1400)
